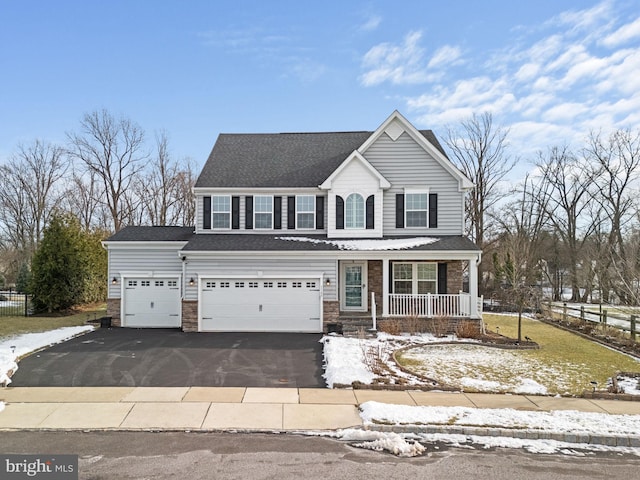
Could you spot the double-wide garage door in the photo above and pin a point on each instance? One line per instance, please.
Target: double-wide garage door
(151, 302)
(260, 305)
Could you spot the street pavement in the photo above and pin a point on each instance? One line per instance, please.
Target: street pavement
(257, 409)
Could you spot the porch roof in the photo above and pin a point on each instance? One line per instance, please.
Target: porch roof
(317, 243)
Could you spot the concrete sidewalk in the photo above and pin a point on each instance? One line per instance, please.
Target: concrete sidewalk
(230, 408)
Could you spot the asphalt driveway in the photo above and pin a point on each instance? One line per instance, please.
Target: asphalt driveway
(171, 358)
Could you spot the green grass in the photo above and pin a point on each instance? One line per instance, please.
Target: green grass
(564, 364)
(15, 325)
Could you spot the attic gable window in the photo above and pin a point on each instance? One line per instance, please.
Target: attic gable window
(263, 212)
(221, 212)
(305, 212)
(354, 211)
(416, 211)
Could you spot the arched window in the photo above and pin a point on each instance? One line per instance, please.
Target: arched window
(354, 211)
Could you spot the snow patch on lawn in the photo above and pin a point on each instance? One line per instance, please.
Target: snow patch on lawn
(16, 347)
(555, 421)
(1, 406)
(382, 441)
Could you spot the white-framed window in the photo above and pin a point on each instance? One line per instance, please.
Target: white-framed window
(282, 284)
(415, 278)
(263, 211)
(172, 283)
(253, 284)
(159, 283)
(224, 284)
(132, 283)
(416, 212)
(354, 211)
(305, 212)
(145, 283)
(268, 285)
(210, 284)
(221, 212)
(239, 284)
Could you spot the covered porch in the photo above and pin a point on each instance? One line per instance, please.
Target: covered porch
(410, 286)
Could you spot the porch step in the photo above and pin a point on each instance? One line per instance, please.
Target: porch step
(355, 326)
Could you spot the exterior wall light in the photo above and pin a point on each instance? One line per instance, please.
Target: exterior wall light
(327, 282)
(114, 281)
(192, 282)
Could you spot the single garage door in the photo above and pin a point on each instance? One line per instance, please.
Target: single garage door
(261, 305)
(152, 303)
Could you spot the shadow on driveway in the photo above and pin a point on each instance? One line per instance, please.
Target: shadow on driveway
(171, 358)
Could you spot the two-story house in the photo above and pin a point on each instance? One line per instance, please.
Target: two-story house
(296, 231)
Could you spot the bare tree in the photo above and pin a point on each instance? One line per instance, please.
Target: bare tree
(615, 164)
(84, 200)
(31, 190)
(160, 189)
(113, 149)
(566, 204)
(479, 149)
(520, 254)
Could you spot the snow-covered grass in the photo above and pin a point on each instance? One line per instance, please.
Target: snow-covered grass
(16, 347)
(565, 364)
(555, 421)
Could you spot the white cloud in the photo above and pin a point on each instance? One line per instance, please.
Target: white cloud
(622, 35)
(371, 23)
(445, 55)
(399, 64)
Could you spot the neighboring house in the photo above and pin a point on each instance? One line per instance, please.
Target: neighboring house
(297, 231)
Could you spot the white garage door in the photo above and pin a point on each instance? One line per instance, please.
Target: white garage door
(261, 305)
(152, 302)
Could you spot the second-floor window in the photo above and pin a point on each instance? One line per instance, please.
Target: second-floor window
(305, 212)
(354, 211)
(416, 211)
(263, 212)
(221, 212)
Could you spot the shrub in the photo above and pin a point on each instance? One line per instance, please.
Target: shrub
(467, 329)
(392, 326)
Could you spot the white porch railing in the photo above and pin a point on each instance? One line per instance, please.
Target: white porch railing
(432, 305)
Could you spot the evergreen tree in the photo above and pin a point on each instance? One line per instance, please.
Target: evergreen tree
(24, 279)
(59, 268)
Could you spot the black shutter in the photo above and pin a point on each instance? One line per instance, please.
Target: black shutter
(339, 213)
(277, 213)
(291, 213)
(399, 210)
(433, 210)
(206, 213)
(248, 212)
(442, 278)
(319, 212)
(391, 277)
(370, 215)
(235, 213)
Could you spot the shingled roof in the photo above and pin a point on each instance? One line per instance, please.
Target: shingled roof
(281, 159)
(153, 234)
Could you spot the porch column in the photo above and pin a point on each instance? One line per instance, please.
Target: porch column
(385, 287)
(473, 287)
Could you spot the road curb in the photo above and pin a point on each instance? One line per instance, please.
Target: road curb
(524, 434)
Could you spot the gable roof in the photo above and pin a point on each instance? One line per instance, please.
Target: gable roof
(282, 159)
(355, 156)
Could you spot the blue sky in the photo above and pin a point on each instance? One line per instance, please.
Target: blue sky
(550, 70)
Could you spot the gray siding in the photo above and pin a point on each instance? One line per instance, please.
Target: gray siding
(148, 260)
(268, 266)
(405, 165)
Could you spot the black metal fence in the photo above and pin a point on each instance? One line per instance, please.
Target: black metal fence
(13, 304)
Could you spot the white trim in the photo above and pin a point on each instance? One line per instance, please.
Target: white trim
(223, 229)
(463, 182)
(364, 288)
(256, 212)
(356, 155)
(313, 211)
(143, 244)
(416, 191)
(364, 212)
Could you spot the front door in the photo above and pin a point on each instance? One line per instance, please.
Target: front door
(354, 286)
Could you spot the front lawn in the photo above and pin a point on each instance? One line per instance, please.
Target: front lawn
(565, 363)
(15, 325)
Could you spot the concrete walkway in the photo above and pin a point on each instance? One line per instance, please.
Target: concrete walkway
(231, 408)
